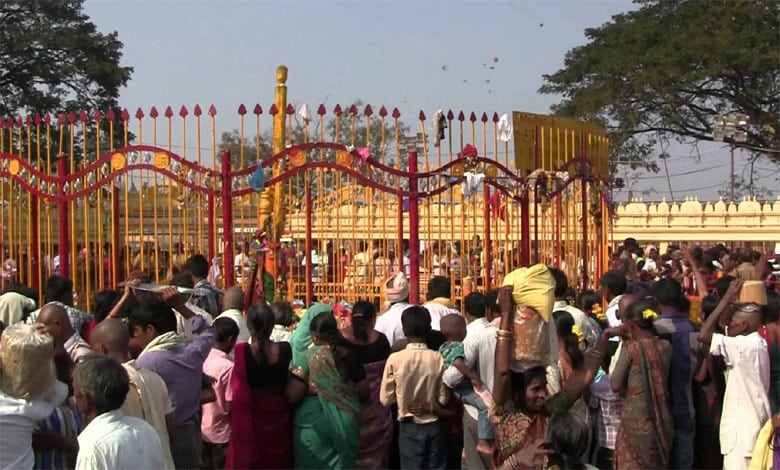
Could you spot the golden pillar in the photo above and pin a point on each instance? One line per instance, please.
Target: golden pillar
(271, 199)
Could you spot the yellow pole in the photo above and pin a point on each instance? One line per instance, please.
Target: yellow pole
(154, 208)
(214, 180)
(182, 192)
(86, 301)
(31, 250)
(73, 245)
(113, 268)
(241, 268)
(49, 253)
(128, 251)
(20, 222)
(270, 199)
(3, 205)
(99, 213)
(170, 202)
(199, 196)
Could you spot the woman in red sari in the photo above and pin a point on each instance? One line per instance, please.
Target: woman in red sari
(523, 407)
(261, 431)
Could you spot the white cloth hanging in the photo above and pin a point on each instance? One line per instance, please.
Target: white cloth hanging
(504, 128)
(305, 114)
(471, 183)
(439, 126)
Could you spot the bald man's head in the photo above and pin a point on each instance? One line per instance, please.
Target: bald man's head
(745, 320)
(233, 299)
(454, 327)
(55, 318)
(111, 337)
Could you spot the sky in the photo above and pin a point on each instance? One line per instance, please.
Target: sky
(406, 54)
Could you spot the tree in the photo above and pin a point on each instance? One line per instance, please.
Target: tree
(663, 71)
(231, 140)
(53, 59)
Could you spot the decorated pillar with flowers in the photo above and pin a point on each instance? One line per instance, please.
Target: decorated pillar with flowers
(270, 216)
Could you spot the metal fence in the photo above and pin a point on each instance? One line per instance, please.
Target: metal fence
(349, 196)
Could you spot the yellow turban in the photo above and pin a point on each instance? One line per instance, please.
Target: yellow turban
(533, 287)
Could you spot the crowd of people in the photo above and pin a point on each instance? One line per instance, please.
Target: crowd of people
(651, 371)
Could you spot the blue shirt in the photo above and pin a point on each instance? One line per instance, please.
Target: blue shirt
(678, 330)
(181, 368)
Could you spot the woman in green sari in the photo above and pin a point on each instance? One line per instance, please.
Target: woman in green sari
(330, 385)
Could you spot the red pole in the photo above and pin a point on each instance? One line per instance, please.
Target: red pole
(525, 229)
(599, 240)
(399, 250)
(527, 208)
(35, 246)
(487, 251)
(211, 225)
(63, 217)
(584, 202)
(307, 256)
(116, 270)
(227, 217)
(584, 248)
(557, 233)
(536, 225)
(414, 232)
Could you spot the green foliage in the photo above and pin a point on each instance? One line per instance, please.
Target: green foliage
(661, 73)
(53, 59)
(231, 140)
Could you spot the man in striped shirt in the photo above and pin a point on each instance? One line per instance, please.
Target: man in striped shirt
(59, 291)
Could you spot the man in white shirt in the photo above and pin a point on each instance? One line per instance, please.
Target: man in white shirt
(580, 319)
(111, 439)
(397, 296)
(148, 398)
(746, 402)
(25, 354)
(242, 265)
(613, 286)
(439, 304)
(652, 259)
(233, 303)
(480, 350)
(622, 305)
(13, 307)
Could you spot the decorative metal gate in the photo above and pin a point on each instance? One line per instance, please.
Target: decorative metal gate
(349, 196)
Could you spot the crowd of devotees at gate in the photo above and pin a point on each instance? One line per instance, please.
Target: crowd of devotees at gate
(673, 361)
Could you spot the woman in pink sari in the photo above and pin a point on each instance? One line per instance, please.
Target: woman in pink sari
(372, 349)
(261, 430)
